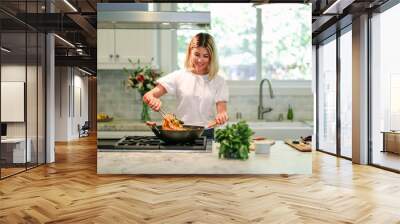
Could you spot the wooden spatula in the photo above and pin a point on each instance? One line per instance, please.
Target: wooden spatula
(212, 124)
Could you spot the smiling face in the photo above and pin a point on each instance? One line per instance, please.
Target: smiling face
(200, 59)
(201, 56)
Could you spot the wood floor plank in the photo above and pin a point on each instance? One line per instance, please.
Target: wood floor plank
(70, 191)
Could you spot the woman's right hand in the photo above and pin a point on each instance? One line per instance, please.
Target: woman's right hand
(153, 102)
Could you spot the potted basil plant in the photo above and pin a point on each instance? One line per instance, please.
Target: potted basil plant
(234, 141)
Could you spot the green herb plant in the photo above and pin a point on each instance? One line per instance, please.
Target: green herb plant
(234, 141)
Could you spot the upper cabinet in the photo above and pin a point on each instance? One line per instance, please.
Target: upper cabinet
(116, 46)
(105, 47)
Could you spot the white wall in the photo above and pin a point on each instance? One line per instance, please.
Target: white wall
(61, 103)
(80, 109)
(13, 73)
(67, 115)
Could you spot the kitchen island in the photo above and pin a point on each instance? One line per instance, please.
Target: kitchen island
(282, 159)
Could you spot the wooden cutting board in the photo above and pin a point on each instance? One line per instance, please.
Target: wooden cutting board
(301, 146)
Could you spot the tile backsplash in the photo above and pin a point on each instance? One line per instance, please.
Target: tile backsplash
(120, 102)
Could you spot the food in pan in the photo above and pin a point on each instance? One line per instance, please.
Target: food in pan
(171, 123)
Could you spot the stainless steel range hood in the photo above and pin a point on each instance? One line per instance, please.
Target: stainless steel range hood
(152, 20)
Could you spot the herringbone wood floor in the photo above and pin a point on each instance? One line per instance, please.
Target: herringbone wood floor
(70, 191)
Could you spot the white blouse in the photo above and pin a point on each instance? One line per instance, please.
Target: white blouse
(196, 95)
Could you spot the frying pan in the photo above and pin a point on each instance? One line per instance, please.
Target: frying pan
(190, 133)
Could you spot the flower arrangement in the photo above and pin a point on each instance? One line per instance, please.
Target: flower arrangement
(142, 78)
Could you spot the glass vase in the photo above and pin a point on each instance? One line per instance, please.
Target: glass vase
(145, 115)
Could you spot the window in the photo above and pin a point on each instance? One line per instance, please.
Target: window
(234, 33)
(286, 45)
(286, 41)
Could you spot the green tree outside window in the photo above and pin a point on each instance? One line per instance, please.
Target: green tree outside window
(286, 39)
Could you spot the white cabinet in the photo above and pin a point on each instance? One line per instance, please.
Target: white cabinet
(116, 46)
(105, 46)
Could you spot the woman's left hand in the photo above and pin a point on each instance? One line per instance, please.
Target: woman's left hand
(221, 118)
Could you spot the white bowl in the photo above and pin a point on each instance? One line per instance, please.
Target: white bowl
(262, 147)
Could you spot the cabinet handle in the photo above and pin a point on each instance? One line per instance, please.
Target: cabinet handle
(111, 55)
(117, 55)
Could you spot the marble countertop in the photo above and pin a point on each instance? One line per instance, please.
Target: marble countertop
(282, 159)
(120, 134)
(123, 125)
(136, 125)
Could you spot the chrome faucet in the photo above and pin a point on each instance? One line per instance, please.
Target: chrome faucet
(261, 109)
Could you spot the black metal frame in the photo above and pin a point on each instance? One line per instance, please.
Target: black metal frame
(36, 164)
(45, 90)
(25, 89)
(316, 97)
(37, 92)
(369, 78)
(338, 97)
(340, 30)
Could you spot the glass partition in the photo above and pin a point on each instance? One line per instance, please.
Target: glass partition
(31, 86)
(41, 91)
(346, 94)
(22, 77)
(14, 153)
(31, 98)
(327, 96)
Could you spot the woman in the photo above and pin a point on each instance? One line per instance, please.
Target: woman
(198, 88)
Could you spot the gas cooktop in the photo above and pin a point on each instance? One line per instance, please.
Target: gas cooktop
(153, 143)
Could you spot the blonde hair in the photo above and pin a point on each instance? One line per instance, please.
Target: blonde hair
(207, 41)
